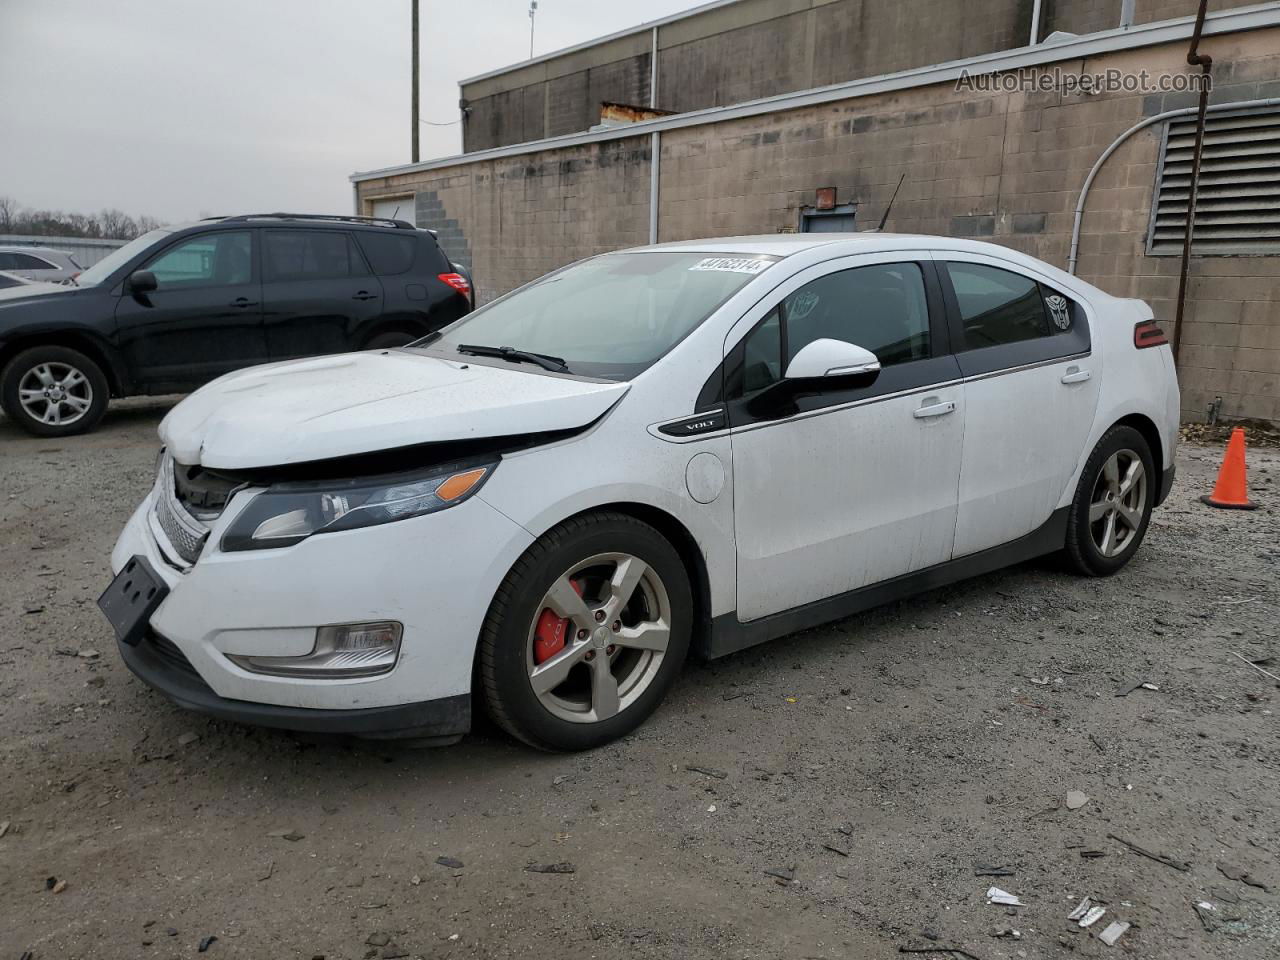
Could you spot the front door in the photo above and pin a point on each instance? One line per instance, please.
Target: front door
(850, 487)
(1031, 386)
(318, 294)
(204, 318)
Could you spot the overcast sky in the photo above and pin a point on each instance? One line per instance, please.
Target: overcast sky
(184, 108)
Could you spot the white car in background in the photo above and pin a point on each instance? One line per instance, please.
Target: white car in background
(39, 263)
(692, 446)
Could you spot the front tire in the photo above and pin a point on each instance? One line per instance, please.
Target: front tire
(52, 391)
(1113, 503)
(617, 594)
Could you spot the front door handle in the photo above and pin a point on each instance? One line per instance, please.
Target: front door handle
(365, 295)
(1075, 375)
(934, 407)
(241, 302)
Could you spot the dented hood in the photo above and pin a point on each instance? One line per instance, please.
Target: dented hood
(327, 407)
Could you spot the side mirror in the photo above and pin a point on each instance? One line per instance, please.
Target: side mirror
(141, 281)
(826, 358)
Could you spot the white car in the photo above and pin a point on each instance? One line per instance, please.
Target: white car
(39, 264)
(694, 446)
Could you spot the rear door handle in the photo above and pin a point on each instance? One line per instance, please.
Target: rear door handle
(1076, 375)
(934, 407)
(241, 302)
(365, 295)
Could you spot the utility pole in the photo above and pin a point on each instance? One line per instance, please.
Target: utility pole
(413, 95)
(533, 10)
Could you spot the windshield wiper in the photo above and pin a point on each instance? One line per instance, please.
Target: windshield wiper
(543, 360)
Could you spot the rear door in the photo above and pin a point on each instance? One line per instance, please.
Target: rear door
(1031, 387)
(318, 293)
(851, 486)
(205, 317)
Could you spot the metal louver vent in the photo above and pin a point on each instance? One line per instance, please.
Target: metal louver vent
(1238, 206)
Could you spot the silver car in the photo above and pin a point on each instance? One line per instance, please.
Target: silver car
(39, 263)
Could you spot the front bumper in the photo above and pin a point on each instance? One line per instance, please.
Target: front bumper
(160, 664)
(434, 574)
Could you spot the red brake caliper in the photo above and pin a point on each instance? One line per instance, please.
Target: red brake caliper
(549, 635)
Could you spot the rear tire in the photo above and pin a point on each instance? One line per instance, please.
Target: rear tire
(629, 610)
(1113, 503)
(52, 391)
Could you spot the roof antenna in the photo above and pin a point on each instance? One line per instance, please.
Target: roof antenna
(885, 219)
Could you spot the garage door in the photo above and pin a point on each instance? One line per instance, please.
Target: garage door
(395, 208)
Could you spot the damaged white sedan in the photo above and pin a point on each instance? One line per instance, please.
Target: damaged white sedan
(687, 447)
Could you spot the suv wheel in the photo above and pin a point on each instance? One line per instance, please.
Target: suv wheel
(586, 634)
(1113, 503)
(53, 391)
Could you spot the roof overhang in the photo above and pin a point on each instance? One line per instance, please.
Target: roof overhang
(1091, 45)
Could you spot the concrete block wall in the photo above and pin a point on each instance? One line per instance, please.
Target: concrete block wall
(1006, 168)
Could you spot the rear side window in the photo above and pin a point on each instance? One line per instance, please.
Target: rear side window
(310, 255)
(23, 261)
(389, 253)
(997, 306)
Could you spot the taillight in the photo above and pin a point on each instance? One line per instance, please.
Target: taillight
(457, 281)
(1148, 334)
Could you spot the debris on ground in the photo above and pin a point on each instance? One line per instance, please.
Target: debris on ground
(1003, 898)
(1113, 933)
(378, 939)
(834, 849)
(291, 835)
(562, 867)
(4, 827)
(267, 871)
(1092, 916)
(453, 863)
(783, 875)
(58, 887)
(706, 771)
(1125, 689)
(1157, 857)
(954, 951)
(1076, 799)
(1233, 872)
(206, 943)
(1081, 909)
(991, 870)
(187, 739)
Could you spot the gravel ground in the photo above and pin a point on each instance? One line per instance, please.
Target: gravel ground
(876, 760)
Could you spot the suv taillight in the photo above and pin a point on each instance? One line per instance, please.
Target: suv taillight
(457, 281)
(1148, 334)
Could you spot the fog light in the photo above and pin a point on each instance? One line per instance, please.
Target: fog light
(341, 652)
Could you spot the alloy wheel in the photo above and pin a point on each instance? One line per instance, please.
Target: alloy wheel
(55, 393)
(614, 615)
(1118, 503)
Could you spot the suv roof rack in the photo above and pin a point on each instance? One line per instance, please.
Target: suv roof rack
(345, 218)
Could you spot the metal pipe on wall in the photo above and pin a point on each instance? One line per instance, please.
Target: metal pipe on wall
(655, 169)
(1205, 62)
(1036, 10)
(653, 71)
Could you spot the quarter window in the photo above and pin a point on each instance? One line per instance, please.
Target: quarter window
(210, 260)
(310, 255)
(23, 261)
(997, 306)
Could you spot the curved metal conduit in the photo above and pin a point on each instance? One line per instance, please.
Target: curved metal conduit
(1148, 121)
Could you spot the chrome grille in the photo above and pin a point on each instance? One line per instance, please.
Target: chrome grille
(185, 534)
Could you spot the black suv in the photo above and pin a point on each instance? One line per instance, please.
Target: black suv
(181, 305)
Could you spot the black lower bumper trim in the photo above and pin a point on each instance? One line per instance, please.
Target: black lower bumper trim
(152, 661)
(1166, 483)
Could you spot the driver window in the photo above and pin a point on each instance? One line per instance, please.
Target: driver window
(210, 260)
(882, 308)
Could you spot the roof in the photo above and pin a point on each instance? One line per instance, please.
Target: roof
(1094, 44)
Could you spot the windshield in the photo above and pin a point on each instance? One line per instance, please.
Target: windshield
(118, 257)
(611, 316)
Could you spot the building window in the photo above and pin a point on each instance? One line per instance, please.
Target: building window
(1238, 207)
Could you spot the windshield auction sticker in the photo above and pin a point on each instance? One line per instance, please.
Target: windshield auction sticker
(732, 264)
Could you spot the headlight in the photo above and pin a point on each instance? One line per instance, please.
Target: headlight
(288, 513)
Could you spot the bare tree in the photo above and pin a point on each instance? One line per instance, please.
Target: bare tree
(8, 213)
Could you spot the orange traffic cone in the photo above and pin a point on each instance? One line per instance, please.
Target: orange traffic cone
(1232, 489)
